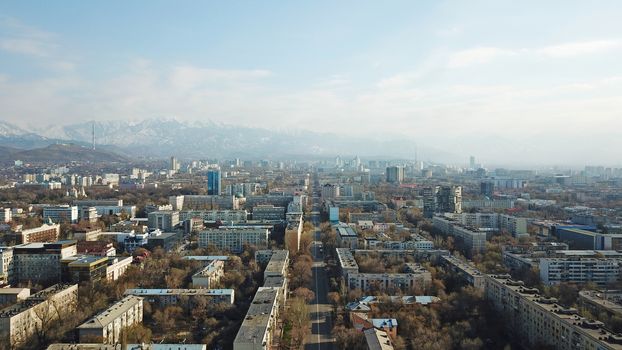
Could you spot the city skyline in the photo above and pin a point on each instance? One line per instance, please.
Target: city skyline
(501, 80)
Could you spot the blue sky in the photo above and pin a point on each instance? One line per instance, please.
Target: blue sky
(493, 78)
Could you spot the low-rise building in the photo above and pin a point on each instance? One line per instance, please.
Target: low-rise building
(602, 301)
(13, 295)
(19, 322)
(209, 276)
(165, 240)
(602, 271)
(346, 236)
(163, 220)
(259, 325)
(107, 326)
(84, 268)
(97, 248)
(268, 212)
(388, 281)
(215, 215)
(347, 263)
(60, 214)
(166, 297)
(7, 265)
(6, 215)
(473, 240)
(377, 340)
(90, 346)
(534, 320)
(41, 262)
(42, 234)
(233, 238)
(117, 266)
(278, 264)
(465, 270)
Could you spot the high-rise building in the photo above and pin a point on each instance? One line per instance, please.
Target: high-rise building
(472, 163)
(213, 182)
(449, 199)
(487, 188)
(395, 174)
(174, 166)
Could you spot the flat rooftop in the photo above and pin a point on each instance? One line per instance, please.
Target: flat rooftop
(258, 318)
(190, 292)
(592, 329)
(105, 317)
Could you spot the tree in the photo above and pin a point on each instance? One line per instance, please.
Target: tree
(298, 315)
(304, 293)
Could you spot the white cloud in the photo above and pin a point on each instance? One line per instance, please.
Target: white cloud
(579, 48)
(477, 55)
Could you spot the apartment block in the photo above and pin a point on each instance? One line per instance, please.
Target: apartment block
(388, 281)
(473, 240)
(163, 220)
(277, 265)
(43, 233)
(268, 212)
(209, 276)
(377, 339)
(165, 297)
(259, 325)
(347, 263)
(19, 322)
(535, 320)
(602, 301)
(346, 236)
(84, 268)
(465, 270)
(41, 262)
(234, 238)
(215, 215)
(107, 326)
(117, 267)
(6, 215)
(7, 266)
(60, 214)
(602, 271)
(13, 295)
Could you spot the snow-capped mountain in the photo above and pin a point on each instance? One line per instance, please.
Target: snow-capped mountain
(207, 139)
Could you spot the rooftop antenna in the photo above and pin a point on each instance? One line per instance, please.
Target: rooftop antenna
(93, 134)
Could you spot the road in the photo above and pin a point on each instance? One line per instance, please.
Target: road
(320, 308)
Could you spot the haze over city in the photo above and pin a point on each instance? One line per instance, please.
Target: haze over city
(537, 83)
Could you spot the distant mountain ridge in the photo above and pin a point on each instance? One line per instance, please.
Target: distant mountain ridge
(62, 152)
(165, 137)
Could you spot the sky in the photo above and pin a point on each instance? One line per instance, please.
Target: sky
(524, 80)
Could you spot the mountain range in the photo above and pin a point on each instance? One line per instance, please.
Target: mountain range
(162, 138)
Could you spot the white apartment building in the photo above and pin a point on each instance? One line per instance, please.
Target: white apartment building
(43, 233)
(163, 220)
(6, 215)
(278, 264)
(6, 264)
(602, 271)
(233, 238)
(19, 322)
(259, 325)
(60, 214)
(107, 326)
(347, 263)
(534, 320)
(165, 297)
(210, 275)
(388, 281)
(473, 240)
(215, 215)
